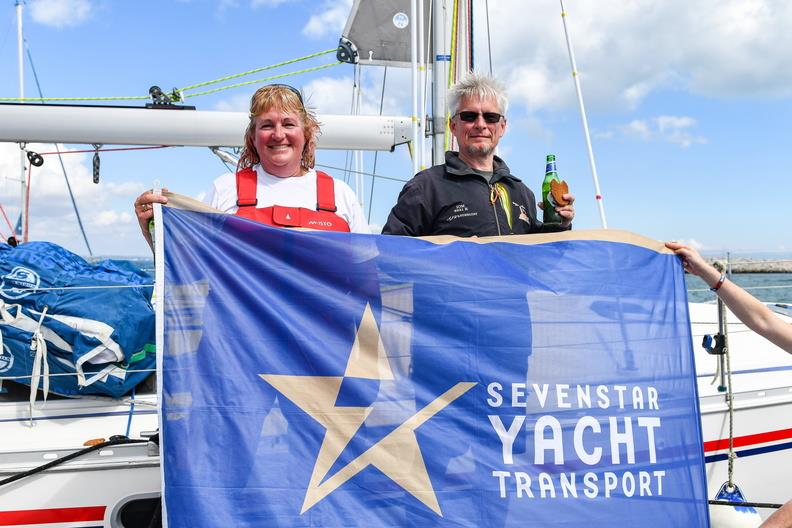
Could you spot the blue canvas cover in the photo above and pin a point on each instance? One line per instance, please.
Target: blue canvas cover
(335, 379)
(96, 319)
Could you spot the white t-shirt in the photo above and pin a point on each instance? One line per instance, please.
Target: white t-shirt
(295, 191)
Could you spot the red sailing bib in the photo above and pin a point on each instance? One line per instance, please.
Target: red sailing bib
(324, 218)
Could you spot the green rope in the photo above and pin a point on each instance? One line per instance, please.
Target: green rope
(272, 78)
(178, 95)
(270, 67)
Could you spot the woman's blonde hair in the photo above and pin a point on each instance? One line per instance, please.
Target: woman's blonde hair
(286, 99)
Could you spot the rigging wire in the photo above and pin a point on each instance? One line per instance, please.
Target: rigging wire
(358, 154)
(353, 110)
(178, 93)
(265, 79)
(8, 221)
(376, 153)
(364, 173)
(250, 72)
(60, 158)
(117, 149)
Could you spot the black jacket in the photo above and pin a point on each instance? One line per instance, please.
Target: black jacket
(451, 199)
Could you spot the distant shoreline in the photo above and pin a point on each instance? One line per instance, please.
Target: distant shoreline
(745, 265)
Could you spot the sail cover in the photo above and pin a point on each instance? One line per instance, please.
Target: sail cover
(335, 379)
(379, 31)
(90, 326)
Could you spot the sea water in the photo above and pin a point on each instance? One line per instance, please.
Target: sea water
(767, 287)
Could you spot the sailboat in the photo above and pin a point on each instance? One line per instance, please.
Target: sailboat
(745, 400)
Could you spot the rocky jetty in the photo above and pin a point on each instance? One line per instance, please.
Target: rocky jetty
(747, 265)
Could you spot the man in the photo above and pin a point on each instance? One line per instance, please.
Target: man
(473, 193)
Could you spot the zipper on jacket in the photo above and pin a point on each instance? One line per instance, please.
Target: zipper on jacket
(493, 199)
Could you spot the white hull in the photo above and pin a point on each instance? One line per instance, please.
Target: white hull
(762, 384)
(103, 482)
(88, 491)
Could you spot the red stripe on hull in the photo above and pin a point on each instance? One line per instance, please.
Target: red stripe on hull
(742, 441)
(52, 515)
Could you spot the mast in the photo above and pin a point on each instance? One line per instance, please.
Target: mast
(440, 64)
(21, 73)
(422, 45)
(414, 78)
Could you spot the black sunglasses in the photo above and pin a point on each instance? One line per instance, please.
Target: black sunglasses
(489, 117)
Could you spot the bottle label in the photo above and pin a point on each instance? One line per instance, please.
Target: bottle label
(549, 214)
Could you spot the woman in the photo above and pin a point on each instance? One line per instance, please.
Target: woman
(747, 308)
(276, 183)
(755, 315)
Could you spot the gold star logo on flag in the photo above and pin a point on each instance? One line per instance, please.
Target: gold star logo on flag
(397, 455)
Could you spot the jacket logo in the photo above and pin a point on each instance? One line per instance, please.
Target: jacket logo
(18, 283)
(460, 211)
(325, 223)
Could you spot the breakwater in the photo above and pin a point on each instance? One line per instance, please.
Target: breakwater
(747, 265)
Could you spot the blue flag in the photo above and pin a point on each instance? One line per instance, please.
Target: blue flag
(335, 379)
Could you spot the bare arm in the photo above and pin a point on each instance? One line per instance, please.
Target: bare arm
(746, 307)
(782, 518)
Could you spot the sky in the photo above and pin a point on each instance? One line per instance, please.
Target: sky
(688, 106)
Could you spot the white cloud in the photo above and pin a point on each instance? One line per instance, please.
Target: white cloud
(111, 218)
(692, 242)
(105, 209)
(123, 189)
(236, 103)
(329, 95)
(331, 20)
(673, 129)
(60, 13)
(671, 123)
(638, 128)
(627, 50)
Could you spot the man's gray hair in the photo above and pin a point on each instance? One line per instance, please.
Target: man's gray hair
(477, 85)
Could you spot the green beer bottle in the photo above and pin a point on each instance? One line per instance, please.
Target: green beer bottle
(549, 214)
